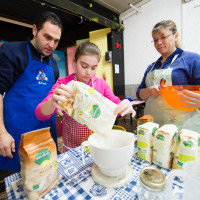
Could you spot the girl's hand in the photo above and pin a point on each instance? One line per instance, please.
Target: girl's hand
(124, 108)
(60, 94)
(193, 99)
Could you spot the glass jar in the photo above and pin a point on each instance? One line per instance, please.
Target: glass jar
(151, 184)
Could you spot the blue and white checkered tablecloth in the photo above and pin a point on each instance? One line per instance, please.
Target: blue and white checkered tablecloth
(76, 181)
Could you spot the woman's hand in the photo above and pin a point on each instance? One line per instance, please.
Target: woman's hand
(124, 108)
(145, 93)
(193, 99)
(154, 91)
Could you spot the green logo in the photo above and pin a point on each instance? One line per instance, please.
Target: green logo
(160, 137)
(199, 141)
(175, 134)
(91, 90)
(180, 163)
(188, 143)
(94, 111)
(141, 132)
(141, 122)
(21, 158)
(43, 156)
(35, 187)
(153, 131)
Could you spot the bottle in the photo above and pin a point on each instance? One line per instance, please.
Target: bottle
(151, 184)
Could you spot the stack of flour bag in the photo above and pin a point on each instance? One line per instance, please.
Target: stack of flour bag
(161, 145)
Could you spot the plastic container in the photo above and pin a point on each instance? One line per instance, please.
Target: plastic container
(191, 179)
(170, 94)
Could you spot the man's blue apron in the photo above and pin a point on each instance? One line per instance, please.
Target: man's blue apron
(20, 103)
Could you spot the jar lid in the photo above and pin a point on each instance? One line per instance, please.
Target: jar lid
(152, 177)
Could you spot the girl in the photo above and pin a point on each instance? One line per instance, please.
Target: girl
(86, 60)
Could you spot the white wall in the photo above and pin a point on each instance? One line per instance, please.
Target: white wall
(191, 26)
(139, 52)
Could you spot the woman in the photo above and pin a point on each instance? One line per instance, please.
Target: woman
(177, 67)
(86, 61)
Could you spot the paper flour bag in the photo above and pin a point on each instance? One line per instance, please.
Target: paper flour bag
(188, 148)
(145, 134)
(90, 108)
(164, 144)
(144, 119)
(38, 159)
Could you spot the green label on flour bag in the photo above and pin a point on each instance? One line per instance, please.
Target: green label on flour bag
(185, 158)
(43, 156)
(142, 144)
(91, 90)
(141, 122)
(35, 187)
(141, 132)
(160, 137)
(188, 143)
(153, 131)
(199, 141)
(94, 111)
(21, 158)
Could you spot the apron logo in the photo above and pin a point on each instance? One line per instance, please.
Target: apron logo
(172, 119)
(41, 77)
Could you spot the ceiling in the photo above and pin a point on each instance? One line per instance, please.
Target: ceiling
(118, 6)
(79, 17)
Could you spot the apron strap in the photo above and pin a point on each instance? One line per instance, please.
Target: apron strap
(29, 54)
(174, 58)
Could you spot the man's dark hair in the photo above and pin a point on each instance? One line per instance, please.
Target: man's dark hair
(47, 16)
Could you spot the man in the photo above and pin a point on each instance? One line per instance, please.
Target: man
(27, 73)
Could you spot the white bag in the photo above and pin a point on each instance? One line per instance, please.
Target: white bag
(145, 135)
(164, 144)
(90, 108)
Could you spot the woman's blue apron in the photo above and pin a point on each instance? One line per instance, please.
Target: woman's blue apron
(20, 103)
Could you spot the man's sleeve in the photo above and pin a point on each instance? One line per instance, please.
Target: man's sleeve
(6, 69)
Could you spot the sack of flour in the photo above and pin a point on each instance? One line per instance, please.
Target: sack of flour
(188, 148)
(164, 144)
(90, 108)
(144, 119)
(145, 134)
(38, 159)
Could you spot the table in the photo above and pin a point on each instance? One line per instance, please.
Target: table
(76, 182)
(138, 106)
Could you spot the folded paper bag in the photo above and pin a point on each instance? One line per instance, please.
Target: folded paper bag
(38, 159)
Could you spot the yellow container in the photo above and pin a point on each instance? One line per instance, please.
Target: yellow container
(116, 127)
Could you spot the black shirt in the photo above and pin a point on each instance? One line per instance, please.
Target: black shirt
(14, 60)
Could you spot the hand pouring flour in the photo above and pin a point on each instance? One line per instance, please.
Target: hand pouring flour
(111, 155)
